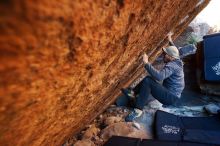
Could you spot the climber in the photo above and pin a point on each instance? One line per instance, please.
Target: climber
(166, 93)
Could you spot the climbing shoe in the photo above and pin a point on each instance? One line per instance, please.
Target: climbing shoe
(135, 113)
(128, 92)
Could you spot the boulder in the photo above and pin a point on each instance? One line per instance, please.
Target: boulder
(85, 142)
(91, 132)
(124, 129)
(111, 120)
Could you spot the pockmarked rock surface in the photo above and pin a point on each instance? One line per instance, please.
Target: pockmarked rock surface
(63, 62)
(85, 142)
(112, 120)
(91, 132)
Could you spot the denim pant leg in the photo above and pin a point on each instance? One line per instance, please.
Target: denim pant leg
(158, 91)
(138, 87)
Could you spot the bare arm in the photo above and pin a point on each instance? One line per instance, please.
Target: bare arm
(169, 36)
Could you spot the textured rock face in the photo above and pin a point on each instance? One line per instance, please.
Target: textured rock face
(63, 62)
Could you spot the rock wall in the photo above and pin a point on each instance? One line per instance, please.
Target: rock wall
(63, 62)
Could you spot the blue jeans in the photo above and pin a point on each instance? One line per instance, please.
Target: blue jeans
(158, 91)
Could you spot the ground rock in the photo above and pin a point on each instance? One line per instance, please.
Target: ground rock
(111, 120)
(85, 142)
(91, 132)
(123, 129)
(212, 108)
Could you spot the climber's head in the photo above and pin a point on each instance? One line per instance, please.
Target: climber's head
(170, 53)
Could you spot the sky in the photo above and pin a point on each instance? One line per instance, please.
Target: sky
(211, 14)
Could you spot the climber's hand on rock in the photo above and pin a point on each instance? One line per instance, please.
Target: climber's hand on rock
(170, 33)
(169, 36)
(145, 58)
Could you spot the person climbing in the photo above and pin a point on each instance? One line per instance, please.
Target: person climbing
(166, 93)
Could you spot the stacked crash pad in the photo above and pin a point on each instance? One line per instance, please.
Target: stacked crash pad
(127, 141)
(187, 129)
(212, 57)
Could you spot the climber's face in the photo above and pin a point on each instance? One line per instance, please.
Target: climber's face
(166, 58)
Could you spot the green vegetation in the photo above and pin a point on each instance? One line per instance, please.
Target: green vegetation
(192, 39)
